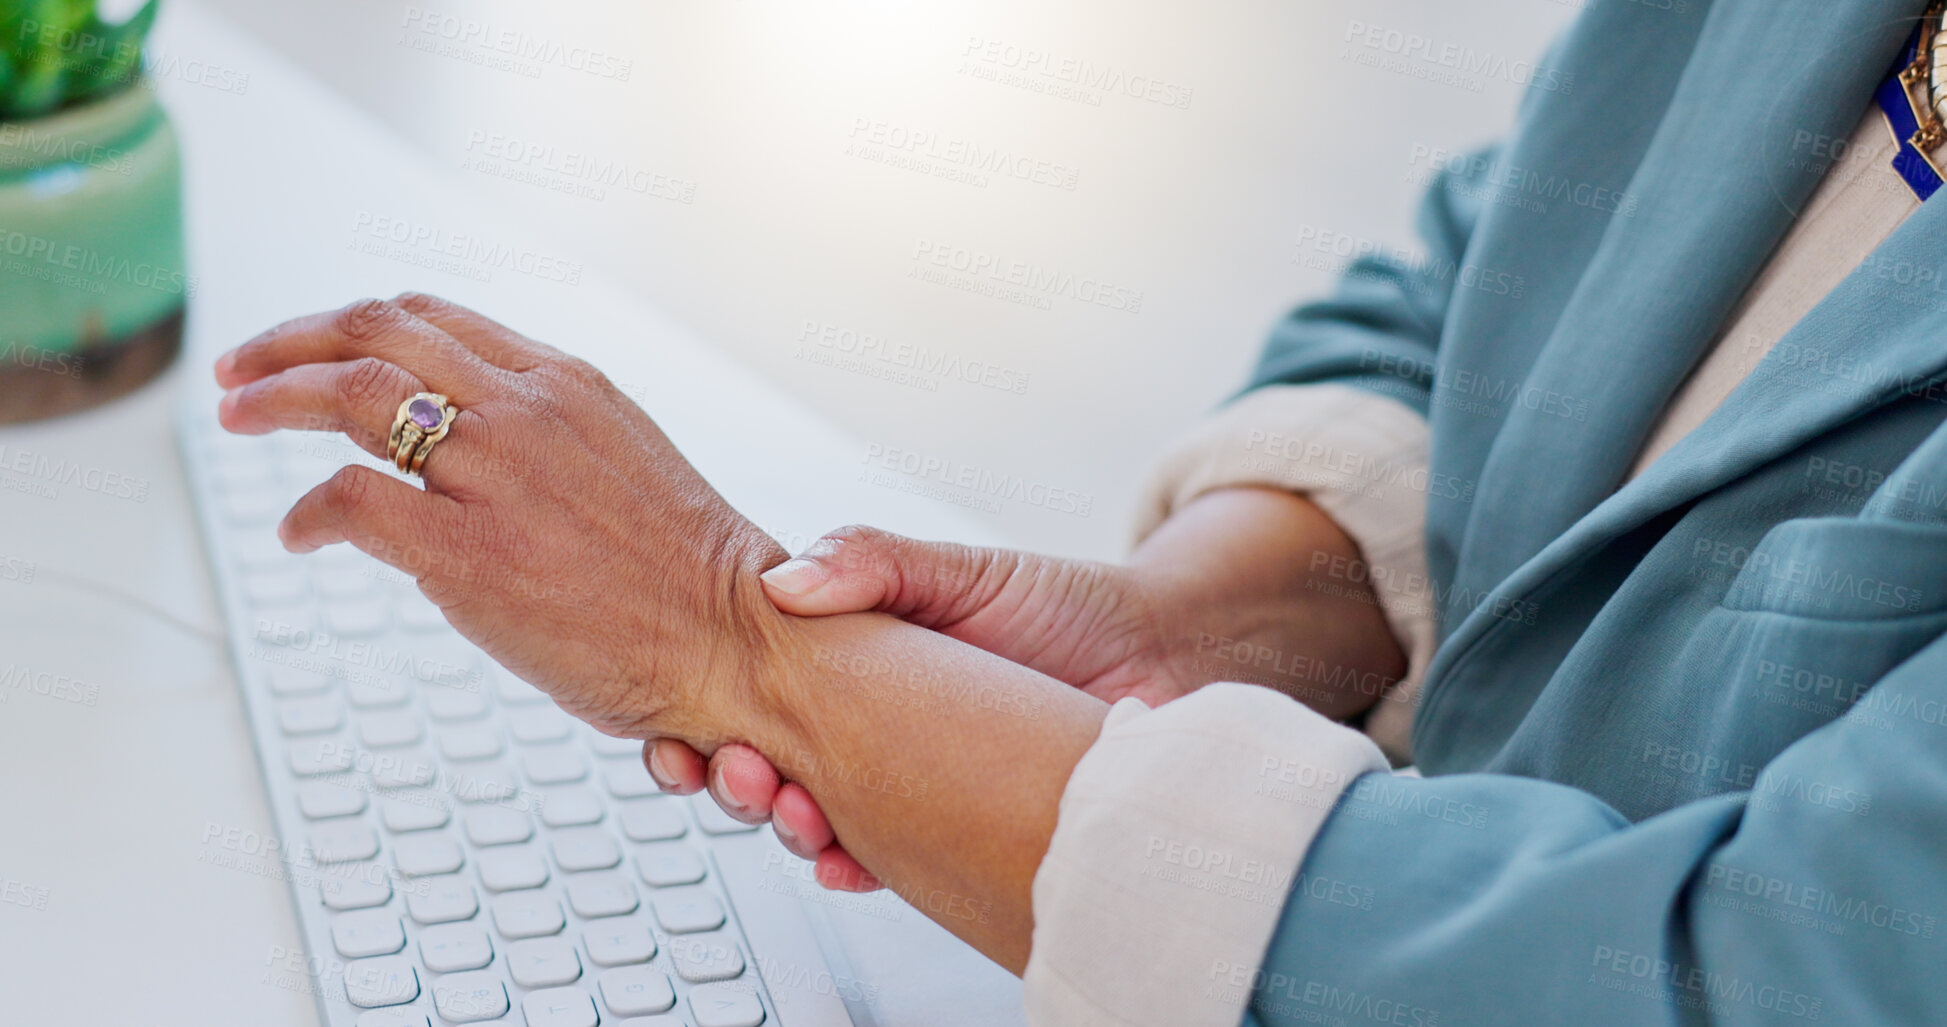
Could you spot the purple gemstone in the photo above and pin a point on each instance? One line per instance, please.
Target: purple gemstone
(425, 413)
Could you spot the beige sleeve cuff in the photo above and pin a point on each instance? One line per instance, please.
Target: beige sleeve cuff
(1363, 459)
(1153, 899)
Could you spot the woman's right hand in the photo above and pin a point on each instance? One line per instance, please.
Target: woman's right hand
(1241, 584)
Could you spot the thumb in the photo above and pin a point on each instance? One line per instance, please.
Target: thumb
(857, 568)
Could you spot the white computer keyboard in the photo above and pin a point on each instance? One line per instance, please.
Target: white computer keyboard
(459, 849)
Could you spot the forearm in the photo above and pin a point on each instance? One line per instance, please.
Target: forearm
(941, 766)
(1256, 589)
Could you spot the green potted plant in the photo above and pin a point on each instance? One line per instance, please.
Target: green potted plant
(92, 282)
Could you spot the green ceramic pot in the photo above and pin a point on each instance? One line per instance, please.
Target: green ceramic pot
(92, 279)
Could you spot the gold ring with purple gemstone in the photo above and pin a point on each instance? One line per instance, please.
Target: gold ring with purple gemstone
(421, 422)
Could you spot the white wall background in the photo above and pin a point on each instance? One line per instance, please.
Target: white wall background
(1293, 131)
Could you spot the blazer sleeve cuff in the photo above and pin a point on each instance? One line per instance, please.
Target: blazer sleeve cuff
(1363, 458)
(1152, 897)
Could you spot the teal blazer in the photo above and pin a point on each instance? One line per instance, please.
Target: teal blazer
(1685, 737)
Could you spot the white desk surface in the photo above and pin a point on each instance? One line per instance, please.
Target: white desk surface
(110, 912)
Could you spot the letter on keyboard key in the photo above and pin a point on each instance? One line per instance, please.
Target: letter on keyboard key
(498, 825)
(637, 989)
(628, 779)
(706, 957)
(384, 981)
(713, 819)
(619, 943)
(543, 963)
(599, 895)
(448, 947)
(367, 932)
(425, 855)
(355, 886)
(440, 900)
(652, 820)
(467, 997)
(511, 869)
(715, 1005)
(570, 806)
(559, 1007)
(665, 864)
(584, 848)
(322, 800)
(688, 910)
(527, 914)
(417, 810)
(341, 841)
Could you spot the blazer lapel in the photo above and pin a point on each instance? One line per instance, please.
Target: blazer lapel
(1718, 189)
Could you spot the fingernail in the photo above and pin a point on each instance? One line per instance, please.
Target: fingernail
(723, 794)
(785, 834)
(225, 362)
(657, 771)
(796, 577)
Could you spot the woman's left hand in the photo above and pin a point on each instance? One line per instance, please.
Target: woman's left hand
(559, 529)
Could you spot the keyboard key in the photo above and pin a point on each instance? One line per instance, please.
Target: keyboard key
(310, 716)
(652, 820)
(367, 932)
(403, 768)
(467, 997)
(447, 703)
(321, 800)
(473, 742)
(484, 782)
(536, 725)
(609, 745)
(384, 981)
(356, 618)
(346, 582)
(341, 841)
(423, 855)
(664, 864)
(527, 914)
(706, 957)
(600, 895)
(511, 869)
(559, 1007)
(498, 825)
(292, 681)
(388, 730)
(584, 848)
(715, 1005)
(688, 910)
(619, 943)
(637, 989)
(378, 693)
(554, 765)
(441, 900)
(543, 963)
(571, 806)
(314, 756)
(515, 692)
(712, 819)
(395, 1018)
(355, 886)
(628, 779)
(414, 810)
(448, 947)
